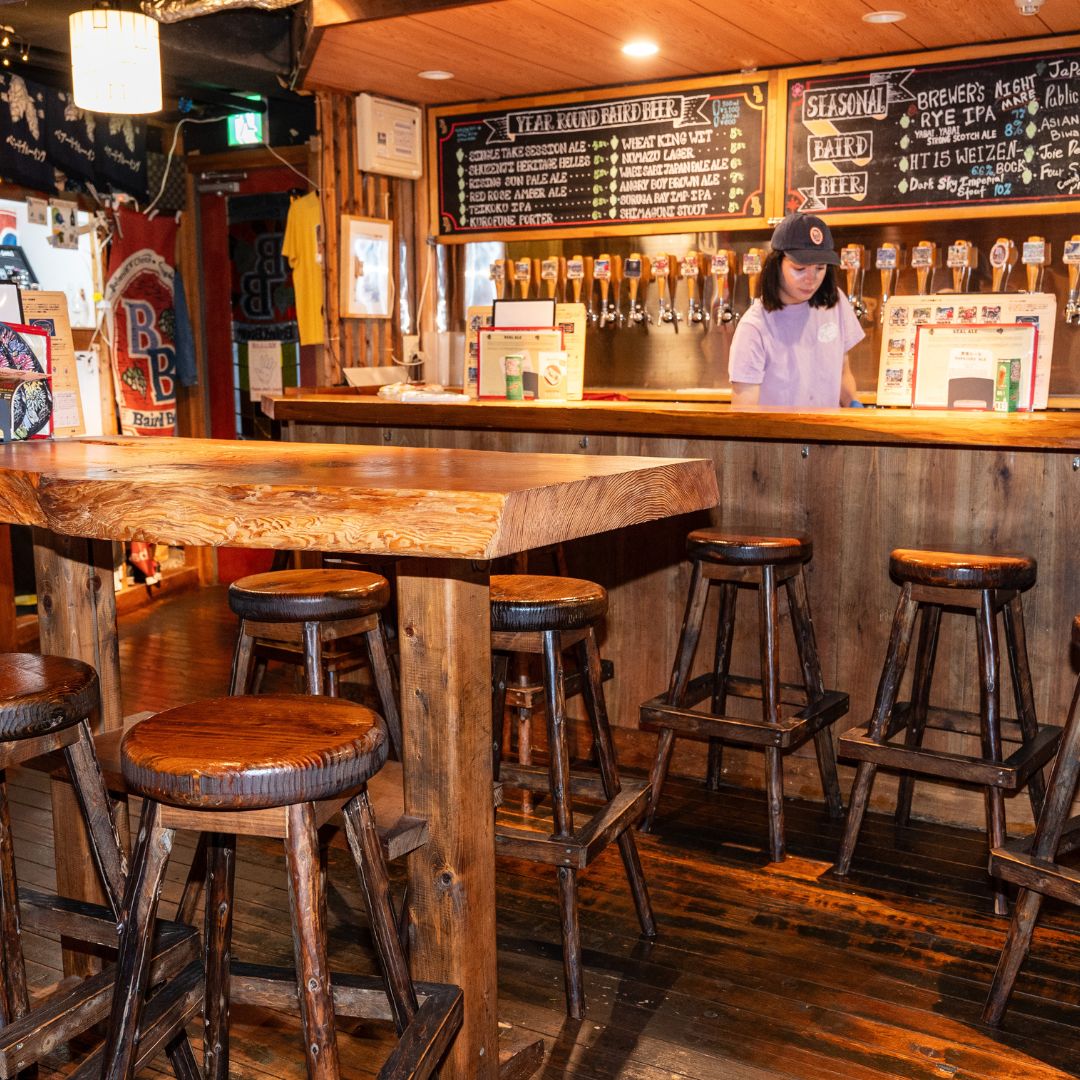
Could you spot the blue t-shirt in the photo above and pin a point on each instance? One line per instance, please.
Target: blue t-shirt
(796, 355)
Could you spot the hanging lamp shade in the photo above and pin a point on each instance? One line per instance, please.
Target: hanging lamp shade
(115, 61)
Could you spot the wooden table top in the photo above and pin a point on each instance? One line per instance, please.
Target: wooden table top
(378, 500)
(696, 420)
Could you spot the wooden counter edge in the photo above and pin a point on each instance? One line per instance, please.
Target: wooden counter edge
(882, 427)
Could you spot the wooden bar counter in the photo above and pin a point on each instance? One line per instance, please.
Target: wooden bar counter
(445, 516)
(859, 481)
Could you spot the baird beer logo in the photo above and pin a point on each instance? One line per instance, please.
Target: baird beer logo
(816, 235)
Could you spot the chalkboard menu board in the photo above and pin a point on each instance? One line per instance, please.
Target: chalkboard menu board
(692, 154)
(964, 134)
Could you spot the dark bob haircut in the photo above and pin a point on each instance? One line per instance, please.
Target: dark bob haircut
(827, 295)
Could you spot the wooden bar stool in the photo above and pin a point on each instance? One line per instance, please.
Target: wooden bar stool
(547, 615)
(981, 586)
(275, 766)
(737, 559)
(45, 706)
(1032, 862)
(314, 618)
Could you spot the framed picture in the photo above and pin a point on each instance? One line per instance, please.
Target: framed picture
(366, 279)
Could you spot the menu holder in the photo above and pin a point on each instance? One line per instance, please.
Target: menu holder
(988, 367)
(526, 342)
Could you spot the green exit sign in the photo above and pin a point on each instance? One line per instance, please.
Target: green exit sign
(245, 129)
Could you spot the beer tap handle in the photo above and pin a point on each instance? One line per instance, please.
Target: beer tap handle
(660, 270)
(616, 286)
(962, 260)
(1035, 256)
(587, 287)
(853, 260)
(1003, 257)
(690, 266)
(523, 271)
(633, 271)
(498, 278)
(602, 274)
(924, 262)
(548, 272)
(1071, 256)
(751, 268)
(575, 275)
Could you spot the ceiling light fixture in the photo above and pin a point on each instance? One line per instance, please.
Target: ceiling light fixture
(641, 48)
(435, 74)
(1029, 7)
(115, 61)
(884, 16)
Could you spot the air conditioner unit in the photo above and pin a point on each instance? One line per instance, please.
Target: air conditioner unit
(389, 137)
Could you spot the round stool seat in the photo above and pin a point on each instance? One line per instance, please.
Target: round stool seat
(308, 595)
(42, 694)
(747, 549)
(956, 570)
(532, 603)
(247, 753)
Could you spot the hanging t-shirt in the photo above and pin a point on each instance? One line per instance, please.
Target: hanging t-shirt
(303, 248)
(795, 354)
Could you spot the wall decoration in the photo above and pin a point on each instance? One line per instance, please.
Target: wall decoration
(366, 280)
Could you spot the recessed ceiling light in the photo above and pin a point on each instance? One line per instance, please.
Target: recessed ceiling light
(641, 48)
(435, 74)
(884, 16)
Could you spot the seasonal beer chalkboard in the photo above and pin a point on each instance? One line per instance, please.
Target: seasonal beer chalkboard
(669, 156)
(962, 133)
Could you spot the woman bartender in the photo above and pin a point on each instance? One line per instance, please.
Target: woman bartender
(790, 348)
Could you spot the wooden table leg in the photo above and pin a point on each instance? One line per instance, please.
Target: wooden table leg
(77, 618)
(444, 640)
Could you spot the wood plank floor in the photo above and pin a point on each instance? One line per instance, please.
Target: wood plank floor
(759, 971)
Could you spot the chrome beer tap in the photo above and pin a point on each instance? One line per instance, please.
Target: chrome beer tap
(1035, 255)
(602, 274)
(587, 288)
(663, 268)
(722, 268)
(636, 272)
(690, 267)
(853, 261)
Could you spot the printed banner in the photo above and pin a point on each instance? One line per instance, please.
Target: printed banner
(23, 158)
(69, 140)
(263, 301)
(120, 147)
(142, 323)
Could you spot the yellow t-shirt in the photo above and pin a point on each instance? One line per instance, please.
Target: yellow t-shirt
(303, 247)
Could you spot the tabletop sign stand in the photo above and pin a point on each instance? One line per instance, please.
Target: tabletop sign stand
(904, 315)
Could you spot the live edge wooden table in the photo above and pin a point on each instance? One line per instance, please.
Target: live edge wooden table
(445, 513)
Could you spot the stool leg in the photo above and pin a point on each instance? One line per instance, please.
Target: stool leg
(524, 717)
(563, 813)
(888, 687)
(769, 615)
(725, 633)
(925, 655)
(368, 856)
(14, 999)
(93, 798)
(500, 664)
(693, 617)
(593, 690)
(383, 676)
(1059, 800)
(806, 646)
(990, 715)
(242, 659)
(313, 665)
(1016, 647)
(141, 896)
(307, 903)
(217, 953)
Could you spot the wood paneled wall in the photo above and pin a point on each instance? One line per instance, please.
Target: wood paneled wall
(857, 503)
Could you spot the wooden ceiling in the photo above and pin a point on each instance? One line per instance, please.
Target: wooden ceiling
(512, 48)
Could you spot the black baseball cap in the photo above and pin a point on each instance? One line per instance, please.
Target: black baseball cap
(806, 239)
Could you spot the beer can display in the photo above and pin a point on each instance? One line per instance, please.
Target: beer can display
(512, 365)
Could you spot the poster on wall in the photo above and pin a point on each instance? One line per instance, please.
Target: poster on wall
(141, 322)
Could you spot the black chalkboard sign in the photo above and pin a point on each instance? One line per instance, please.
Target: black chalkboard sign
(964, 134)
(695, 153)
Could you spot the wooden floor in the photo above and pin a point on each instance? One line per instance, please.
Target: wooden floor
(759, 972)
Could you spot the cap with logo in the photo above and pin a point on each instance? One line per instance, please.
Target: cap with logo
(806, 239)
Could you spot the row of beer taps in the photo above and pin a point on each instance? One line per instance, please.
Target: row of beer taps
(598, 283)
(711, 279)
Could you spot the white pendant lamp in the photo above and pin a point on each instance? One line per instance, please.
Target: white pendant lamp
(115, 61)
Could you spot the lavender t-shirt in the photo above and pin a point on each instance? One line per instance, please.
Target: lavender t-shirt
(796, 354)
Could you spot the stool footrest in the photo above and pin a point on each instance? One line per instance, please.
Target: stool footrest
(1014, 863)
(537, 778)
(527, 697)
(956, 720)
(1009, 775)
(621, 813)
(791, 730)
(166, 1015)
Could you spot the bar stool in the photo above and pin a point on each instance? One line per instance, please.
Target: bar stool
(1032, 862)
(280, 766)
(547, 615)
(737, 559)
(978, 585)
(45, 705)
(313, 618)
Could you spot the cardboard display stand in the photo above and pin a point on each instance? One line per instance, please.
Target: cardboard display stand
(49, 312)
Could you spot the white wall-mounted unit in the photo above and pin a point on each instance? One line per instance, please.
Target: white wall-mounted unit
(389, 137)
